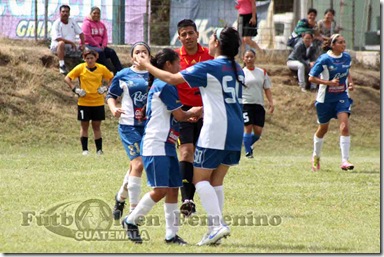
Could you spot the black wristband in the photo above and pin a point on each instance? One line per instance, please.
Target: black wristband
(74, 89)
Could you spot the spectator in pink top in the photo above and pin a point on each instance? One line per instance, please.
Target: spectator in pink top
(247, 23)
(96, 38)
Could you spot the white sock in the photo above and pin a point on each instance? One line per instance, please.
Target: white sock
(61, 62)
(172, 219)
(220, 196)
(209, 201)
(317, 145)
(134, 189)
(345, 145)
(123, 192)
(143, 207)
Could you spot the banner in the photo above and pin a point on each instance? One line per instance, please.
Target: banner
(208, 15)
(17, 18)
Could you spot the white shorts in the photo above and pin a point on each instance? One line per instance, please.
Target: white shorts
(69, 51)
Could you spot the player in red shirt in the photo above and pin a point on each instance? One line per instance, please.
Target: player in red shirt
(190, 53)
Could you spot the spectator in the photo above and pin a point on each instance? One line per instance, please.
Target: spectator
(247, 23)
(96, 38)
(256, 81)
(63, 36)
(327, 26)
(332, 72)
(91, 98)
(190, 53)
(302, 58)
(304, 25)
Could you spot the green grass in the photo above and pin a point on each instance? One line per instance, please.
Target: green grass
(330, 211)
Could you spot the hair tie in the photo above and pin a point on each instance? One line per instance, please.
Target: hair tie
(218, 32)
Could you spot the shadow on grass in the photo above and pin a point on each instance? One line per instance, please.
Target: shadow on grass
(298, 248)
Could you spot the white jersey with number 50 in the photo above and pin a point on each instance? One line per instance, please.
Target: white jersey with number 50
(221, 93)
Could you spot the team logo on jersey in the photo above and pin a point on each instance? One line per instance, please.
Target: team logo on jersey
(331, 67)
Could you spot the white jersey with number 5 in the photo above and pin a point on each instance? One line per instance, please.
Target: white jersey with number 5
(221, 93)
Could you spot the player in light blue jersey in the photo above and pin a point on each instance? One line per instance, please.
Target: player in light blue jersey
(219, 144)
(158, 150)
(331, 72)
(131, 85)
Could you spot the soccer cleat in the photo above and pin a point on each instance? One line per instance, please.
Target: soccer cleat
(315, 163)
(118, 209)
(175, 240)
(188, 208)
(215, 236)
(249, 155)
(85, 152)
(347, 166)
(132, 232)
(100, 152)
(63, 70)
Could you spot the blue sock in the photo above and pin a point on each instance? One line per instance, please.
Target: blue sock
(254, 138)
(247, 139)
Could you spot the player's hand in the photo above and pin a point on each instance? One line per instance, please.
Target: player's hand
(101, 90)
(80, 92)
(351, 86)
(116, 112)
(271, 108)
(143, 60)
(196, 113)
(334, 83)
(252, 21)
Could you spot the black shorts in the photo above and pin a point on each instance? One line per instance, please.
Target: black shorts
(245, 29)
(87, 113)
(254, 114)
(189, 131)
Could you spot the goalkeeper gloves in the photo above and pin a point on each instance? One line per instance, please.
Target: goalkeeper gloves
(101, 90)
(78, 91)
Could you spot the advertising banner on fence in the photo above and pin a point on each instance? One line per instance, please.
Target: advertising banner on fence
(208, 15)
(17, 18)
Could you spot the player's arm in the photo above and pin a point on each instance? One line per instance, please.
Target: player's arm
(168, 77)
(194, 113)
(268, 94)
(350, 82)
(331, 83)
(254, 13)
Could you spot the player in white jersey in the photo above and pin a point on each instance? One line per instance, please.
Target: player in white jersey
(331, 72)
(158, 150)
(219, 144)
(132, 85)
(256, 81)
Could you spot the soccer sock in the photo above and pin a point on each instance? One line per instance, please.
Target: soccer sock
(145, 205)
(209, 202)
(317, 145)
(99, 144)
(84, 143)
(123, 192)
(219, 190)
(247, 139)
(255, 138)
(61, 62)
(345, 144)
(134, 189)
(171, 213)
(188, 189)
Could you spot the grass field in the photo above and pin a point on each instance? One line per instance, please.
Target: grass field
(331, 211)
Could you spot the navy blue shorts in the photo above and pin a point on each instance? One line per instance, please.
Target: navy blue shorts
(131, 138)
(211, 158)
(329, 110)
(162, 171)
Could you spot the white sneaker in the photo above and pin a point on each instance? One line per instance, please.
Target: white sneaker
(100, 152)
(215, 236)
(85, 153)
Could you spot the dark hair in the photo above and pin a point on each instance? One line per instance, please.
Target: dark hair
(310, 10)
(164, 55)
(64, 6)
(230, 42)
(140, 43)
(186, 23)
(330, 10)
(309, 33)
(95, 8)
(88, 51)
(246, 51)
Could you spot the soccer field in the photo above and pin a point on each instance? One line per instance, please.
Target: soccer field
(53, 198)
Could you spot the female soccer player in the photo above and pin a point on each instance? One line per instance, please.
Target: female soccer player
(132, 84)
(91, 98)
(219, 144)
(158, 150)
(256, 81)
(331, 72)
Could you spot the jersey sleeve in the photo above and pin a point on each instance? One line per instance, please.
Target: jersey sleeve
(77, 27)
(75, 72)
(267, 80)
(170, 97)
(196, 75)
(317, 68)
(55, 31)
(108, 75)
(116, 88)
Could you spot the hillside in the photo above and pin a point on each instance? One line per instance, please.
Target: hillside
(36, 107)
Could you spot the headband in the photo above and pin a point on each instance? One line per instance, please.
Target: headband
(140, 43)
(333, 38)
(218, 32)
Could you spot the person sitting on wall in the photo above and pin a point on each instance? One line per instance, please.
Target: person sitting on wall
(63, 35)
